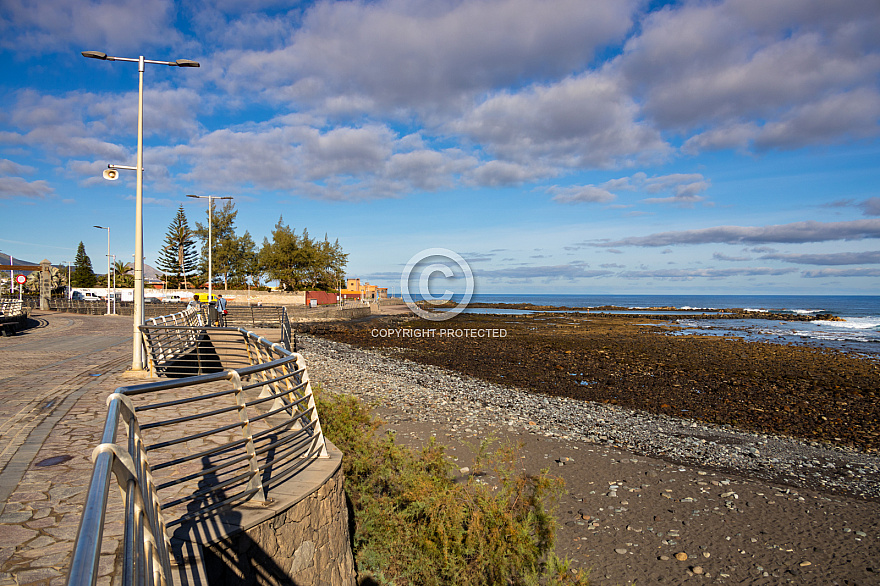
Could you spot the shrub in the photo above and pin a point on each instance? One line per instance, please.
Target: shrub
(415, 524)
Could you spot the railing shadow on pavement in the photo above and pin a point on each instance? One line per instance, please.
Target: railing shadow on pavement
(198, 449)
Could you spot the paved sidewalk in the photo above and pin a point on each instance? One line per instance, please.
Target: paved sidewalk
(54, 381)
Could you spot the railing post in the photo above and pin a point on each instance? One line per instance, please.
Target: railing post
(319, 434)
(256, 481)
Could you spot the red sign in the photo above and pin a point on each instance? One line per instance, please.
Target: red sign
(21, 279)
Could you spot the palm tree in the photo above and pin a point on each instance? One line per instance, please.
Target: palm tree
(123, 273)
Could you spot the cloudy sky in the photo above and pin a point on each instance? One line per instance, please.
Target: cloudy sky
(572, 146)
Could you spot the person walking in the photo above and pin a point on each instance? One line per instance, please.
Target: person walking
(221, 309)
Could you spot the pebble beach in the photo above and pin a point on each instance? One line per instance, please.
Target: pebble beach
(651, 497)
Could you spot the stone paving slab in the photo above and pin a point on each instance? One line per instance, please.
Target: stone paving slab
(51, 418)
(54, 380)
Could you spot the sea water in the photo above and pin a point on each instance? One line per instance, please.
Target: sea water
(859, 332)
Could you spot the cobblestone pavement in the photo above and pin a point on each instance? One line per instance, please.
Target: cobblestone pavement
(54, 380)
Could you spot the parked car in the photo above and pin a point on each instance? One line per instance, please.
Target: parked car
(171, 299)
(87, 296)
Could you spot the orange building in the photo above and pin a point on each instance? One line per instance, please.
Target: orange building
(354, 289)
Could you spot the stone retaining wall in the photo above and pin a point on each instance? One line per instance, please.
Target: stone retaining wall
(306, 313)
(301, 536)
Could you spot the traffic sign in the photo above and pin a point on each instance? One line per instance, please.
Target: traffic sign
(21, 279)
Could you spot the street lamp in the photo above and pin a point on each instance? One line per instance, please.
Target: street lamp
(210, 199)
(69, 290)
(108, 266)
(113, 256)
(137, 361)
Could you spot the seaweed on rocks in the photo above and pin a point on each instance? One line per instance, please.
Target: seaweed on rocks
(815, 394)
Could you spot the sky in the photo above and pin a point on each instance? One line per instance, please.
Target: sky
(558, 146)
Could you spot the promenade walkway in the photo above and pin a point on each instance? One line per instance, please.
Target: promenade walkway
(54, 381)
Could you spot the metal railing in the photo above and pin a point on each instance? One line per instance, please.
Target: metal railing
(180, 344)
(190, 316)
(173, 341)
(260, 316)
(196, 447)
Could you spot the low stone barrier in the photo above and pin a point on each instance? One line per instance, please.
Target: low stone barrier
(301, 538)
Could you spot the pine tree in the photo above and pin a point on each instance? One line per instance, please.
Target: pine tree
(179, 256)
(83, 275)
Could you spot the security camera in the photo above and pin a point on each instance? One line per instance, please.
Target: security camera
(111, 174)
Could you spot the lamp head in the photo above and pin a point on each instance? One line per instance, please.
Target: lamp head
(95, 55)
(111, 174)
(187, 63)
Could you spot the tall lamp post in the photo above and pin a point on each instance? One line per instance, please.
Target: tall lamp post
(108, 265)
(67, 264)
(210, 199)
(137, 361)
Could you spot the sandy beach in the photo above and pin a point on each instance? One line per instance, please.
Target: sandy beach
(652, 497)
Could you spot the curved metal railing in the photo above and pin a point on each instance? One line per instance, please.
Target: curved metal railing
(195, 448)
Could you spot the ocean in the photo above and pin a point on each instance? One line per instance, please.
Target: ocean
(860, 332)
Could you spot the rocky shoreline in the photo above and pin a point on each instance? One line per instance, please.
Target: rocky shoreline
(439, 396)
(649, 498)
(720, 313)
(642, 364)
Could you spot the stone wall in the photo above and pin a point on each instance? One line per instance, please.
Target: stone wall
(331, 312)
(301, 537)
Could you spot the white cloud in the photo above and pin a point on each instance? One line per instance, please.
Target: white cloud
(797, 232)
(546, 273)
(580, 122)
(688, 274)
(17, 187)
(719, 256)
(685, 189)
(427, 55)
(740, 71)
(825, 273)
(109, 26)
(103, 126)
(852, 114)
(8, 167)
(831, 258)
(503, 173)
(340, 163)
(871, 206)
(581, 194)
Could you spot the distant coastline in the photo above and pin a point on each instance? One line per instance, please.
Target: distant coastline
(844, 322)
(839, 305)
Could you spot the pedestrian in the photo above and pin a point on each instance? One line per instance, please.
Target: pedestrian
(221, 307)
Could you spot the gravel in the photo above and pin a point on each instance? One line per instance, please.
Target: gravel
(431, 394)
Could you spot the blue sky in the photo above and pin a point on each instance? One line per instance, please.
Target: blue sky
(570, 146)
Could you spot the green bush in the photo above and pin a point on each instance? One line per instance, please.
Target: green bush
(415, 524)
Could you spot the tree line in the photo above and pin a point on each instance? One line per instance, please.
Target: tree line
(296, 261)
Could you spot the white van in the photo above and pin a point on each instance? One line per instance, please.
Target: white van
(85, 296)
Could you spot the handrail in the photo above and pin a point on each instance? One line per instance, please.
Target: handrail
(190, 316)
(194, 447)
